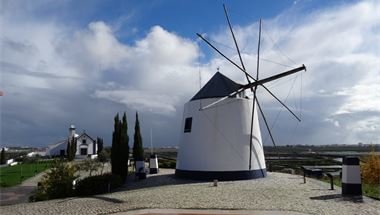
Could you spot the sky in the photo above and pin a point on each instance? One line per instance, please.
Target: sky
(81, 62)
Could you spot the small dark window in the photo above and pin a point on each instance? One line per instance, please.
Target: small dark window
(84, 141)
(188, 122)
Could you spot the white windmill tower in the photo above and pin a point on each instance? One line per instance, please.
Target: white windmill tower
(221, 136)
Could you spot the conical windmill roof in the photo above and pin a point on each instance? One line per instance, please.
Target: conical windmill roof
(218, 86)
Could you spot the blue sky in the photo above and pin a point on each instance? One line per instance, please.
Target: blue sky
(80, 62)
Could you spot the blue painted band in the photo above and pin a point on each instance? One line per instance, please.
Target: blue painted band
(351, 189)
(153, 170)
(221, 175)
(350, 160)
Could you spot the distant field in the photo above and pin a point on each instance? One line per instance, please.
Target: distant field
(13, 175)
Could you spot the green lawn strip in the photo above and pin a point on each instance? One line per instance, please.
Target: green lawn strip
(14, 175)
(369, 190)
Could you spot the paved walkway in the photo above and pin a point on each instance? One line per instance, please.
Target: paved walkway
(206, 212)
(19, 193)
(277, 193)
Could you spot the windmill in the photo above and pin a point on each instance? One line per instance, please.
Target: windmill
(221, 137)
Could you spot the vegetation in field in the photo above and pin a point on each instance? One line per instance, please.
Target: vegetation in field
(166, 163)
(14, 175)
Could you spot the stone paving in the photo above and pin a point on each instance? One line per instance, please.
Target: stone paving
(278, 192)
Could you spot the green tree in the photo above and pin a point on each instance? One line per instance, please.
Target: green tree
(2, 156)
(100, 144)
(103, 157)
(124, 147)
(138, 149)
(120, 147)
(68, 149)
(71, 148)
(115, 149)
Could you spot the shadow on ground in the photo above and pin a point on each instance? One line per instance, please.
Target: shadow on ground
(154, 181)
(339, 197)
(107, 199)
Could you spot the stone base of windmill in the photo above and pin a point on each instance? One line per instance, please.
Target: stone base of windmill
(221, 175)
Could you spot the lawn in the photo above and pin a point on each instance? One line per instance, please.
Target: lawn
(13, 175)
(370, 190)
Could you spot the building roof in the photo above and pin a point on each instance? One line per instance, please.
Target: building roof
(218, 86)
(85, 134)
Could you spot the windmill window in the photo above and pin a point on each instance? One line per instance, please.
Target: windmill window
(188, 123)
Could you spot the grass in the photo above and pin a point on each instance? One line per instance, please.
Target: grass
(14, 175)
(370, 190)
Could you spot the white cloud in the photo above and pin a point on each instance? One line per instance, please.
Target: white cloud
(341, 52)
(50, 65)
(141, 100)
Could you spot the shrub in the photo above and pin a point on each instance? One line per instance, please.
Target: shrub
(57, 183)
(90, 165)
(170, 164)
(371, 169)
(97, 184)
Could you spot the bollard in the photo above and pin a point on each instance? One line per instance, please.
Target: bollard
(215, 183)
(153, 164)
(351, 179)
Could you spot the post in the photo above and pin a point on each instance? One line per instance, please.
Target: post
(153, 164)
(304, 177)
(351, 178)
(331, 177)
(304, 174)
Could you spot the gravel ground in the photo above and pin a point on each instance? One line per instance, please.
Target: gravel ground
(277, 192)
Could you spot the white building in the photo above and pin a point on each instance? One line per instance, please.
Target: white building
(86, 145)
(215, 141)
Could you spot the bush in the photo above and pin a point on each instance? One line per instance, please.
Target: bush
(57, 183)
(166, 163)
(97, 184)
(371, 169)
(90, 165)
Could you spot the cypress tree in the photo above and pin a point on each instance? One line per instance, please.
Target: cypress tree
(73, 146)
(120, 147)
(115, 146)
(124, 147)
(2, 155)
(68, 149)
(100, 144)
(138, 150)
